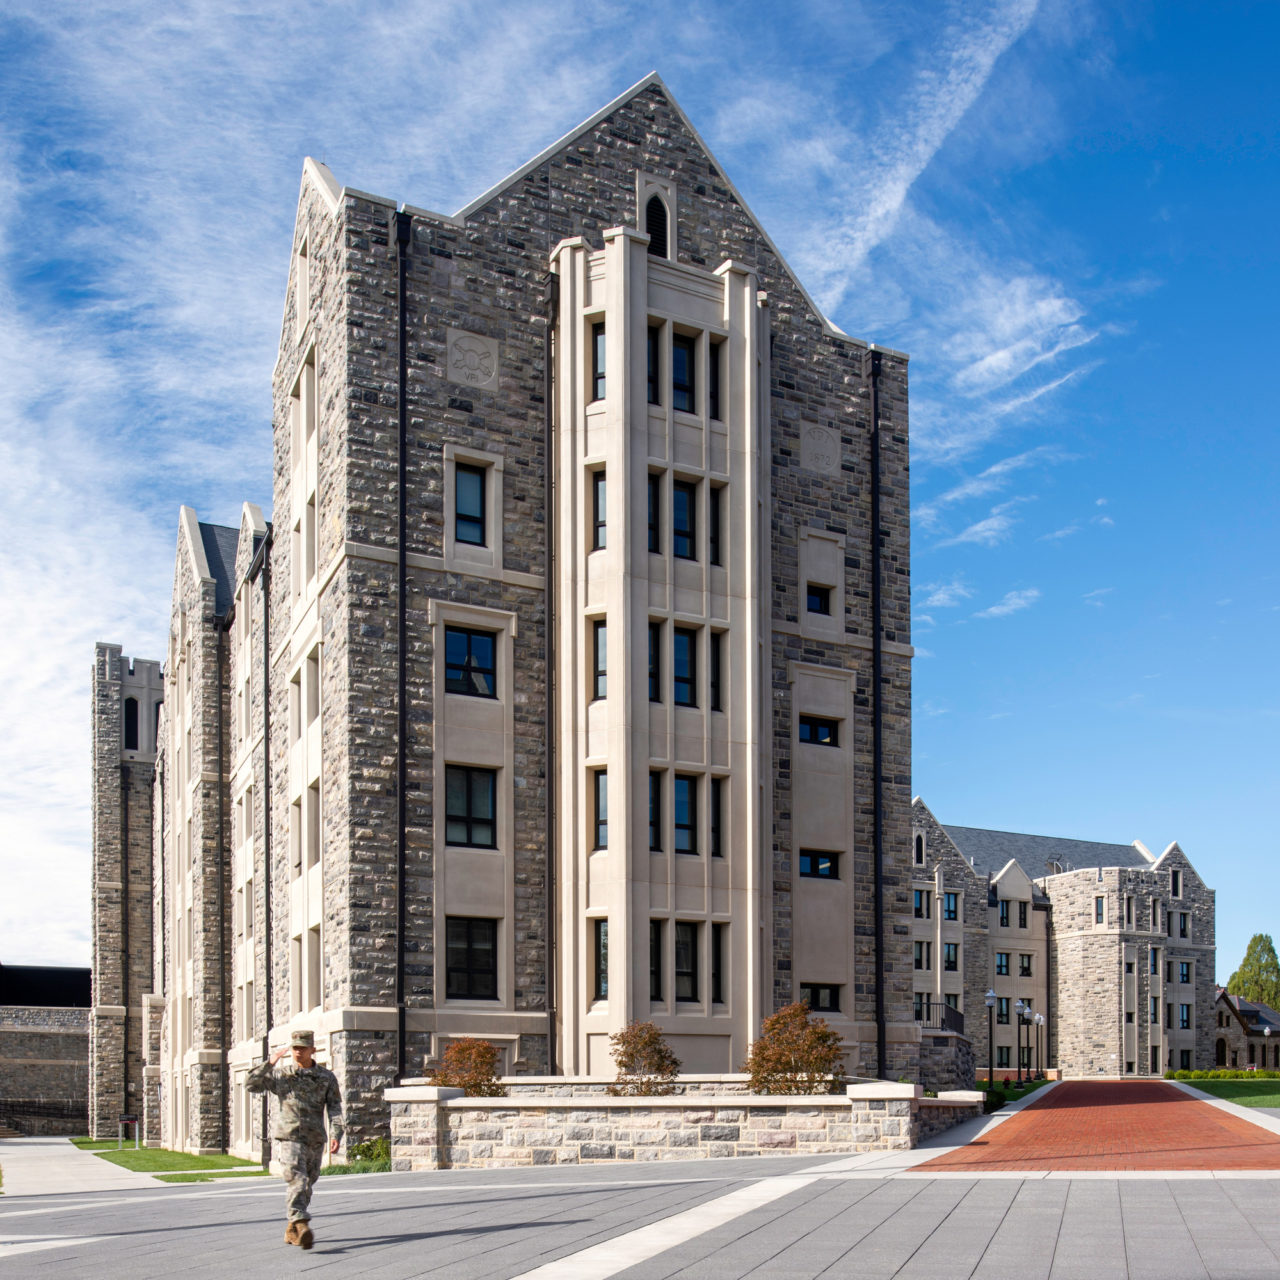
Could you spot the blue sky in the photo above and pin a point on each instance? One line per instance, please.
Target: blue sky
(1063, 210)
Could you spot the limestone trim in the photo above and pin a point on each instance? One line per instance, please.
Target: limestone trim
(894, 648)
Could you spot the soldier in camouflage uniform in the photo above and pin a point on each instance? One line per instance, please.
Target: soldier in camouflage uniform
(306, 1090)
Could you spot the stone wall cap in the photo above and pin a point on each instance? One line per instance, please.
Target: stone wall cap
(956, 1098)
(884, 1089)
(681, 1102)
(427, 1093)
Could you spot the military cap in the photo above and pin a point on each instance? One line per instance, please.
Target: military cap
(303, 1040)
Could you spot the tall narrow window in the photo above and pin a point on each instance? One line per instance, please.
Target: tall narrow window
(686, 813)
(715, 639)
(951, 906)
(714, 494)
(1099, 910)
(600, 786)
(597, 361)
(655, 662)
(471, 807)
(469, 511)
(470, 662)
(471, 958)
(686, 961)
(951, 956)
(1024, 966)
(599, 511)
(599, 659)
(919, 851)
(715, 350)
(655, 811)
(1004, 913)
(683, 389)
(131, 724)
(1022, 915)
(923, 904)
(655, 960)
(654, 362)
(685, 668)
(1175, 884)
(684, 520)
(717, 964)
(655, 513)
(600, 929)
(717, 817)
(1002, 1010)
(655, 225)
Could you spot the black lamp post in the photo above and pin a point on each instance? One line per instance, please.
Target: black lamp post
(991, 1004)
(1039, 1059)
(1019, 1010)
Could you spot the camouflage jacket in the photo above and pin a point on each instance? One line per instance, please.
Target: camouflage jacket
(304, 1096)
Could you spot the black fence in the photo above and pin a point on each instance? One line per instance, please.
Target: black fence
(936, 1016)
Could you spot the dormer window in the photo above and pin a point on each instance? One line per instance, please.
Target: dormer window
(655, 225)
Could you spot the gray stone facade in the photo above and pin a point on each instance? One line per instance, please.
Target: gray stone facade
(44, 1069)
(1246, 1034)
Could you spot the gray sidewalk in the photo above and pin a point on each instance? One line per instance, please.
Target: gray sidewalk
(43, 1166)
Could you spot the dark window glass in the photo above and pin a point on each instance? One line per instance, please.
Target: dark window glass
(819, 599)
(1003, 1054)
(655, 812)
(1168, 970)
(684, 674)
(1168, 1016)
(599, 511)
(655, 513)
(716, 351)
(821, 997)
(1099, 910)
(819, 730)
(1002, 1009)
(717, 817)
(600, 786)
(654, 364)
(717, 964)
(1175, 883)
(1022, 915)
(686, 961)
(1184, 1017)
(1128, 911)
(923, 955)
(682, 385)
(952, 1000)
(919, 851)
(1004, 913)
(470, 662)
(1184, 971)
(655, 226)
(1024, 966)
(655, 960)
(471, 959)
(686, 813)
(819, 865)
(655, 662)
(950, 956)
(1155, 1010)
(1002, 964)
(684, 518)
(1155, 960)
(1182, 924)
(471, 807)
(599, 659)
(713, 522)
(469, 514)
(601, 967)
(597, 361)
(923, 903)
(131, 724)
(715, 639)
(951, 906)
(1184, 1059)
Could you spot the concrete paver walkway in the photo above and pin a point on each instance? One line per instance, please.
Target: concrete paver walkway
(1115, 1125)
(45, 1166)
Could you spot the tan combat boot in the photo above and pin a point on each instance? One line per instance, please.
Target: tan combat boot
(291, 1233)
(304, 1236)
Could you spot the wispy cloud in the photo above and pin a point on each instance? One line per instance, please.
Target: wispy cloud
(1058, 534)
(1013, 602)
(1096, 596)
(990, 480)
(944, 595)
(995, 528)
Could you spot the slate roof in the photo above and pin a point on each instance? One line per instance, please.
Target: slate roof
(220, 550)
(989, 851)
(1256, 1014)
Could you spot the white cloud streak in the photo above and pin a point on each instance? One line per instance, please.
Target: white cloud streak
(1013, 602)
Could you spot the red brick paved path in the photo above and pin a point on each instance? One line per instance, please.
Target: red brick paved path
(1116, 1125)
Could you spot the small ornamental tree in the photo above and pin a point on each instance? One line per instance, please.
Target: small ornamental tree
(1258, 977)
(646, 1064)
(796, 1053)
(471, 1065)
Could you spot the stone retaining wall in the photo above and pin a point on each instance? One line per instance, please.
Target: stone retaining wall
(44, 1069)
(438, 1128)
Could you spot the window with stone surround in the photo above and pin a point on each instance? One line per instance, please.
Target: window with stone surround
(597, 361)
(683, 382)
(1184, 1017)
(655, 662)
(471, 958)
(1155, 1010)
(1002, 1010)
(919, 850)
(950, 957)
(1184, 1060)
(684, 674)
(1184, 972)
(656, 931)
(599, 659)
(1099, 910)
(470, 508)
(951, 906)
(923, 955)
(1024, 966)
(600, 794)
(1184, 924)
(1175, 884)
(821, 731)
(715, 819)
(653, 360)
(817, 865)
(685, 809)
(821, 997)
(923, 903)
(715, 353)
(715, 647)
(715, 520)
(1022, 915)
(1003, 1056)
(717, 962)
(470, 662)
(599, 511)
(1004, 913)
(1002, 964)
(471, 801)
(686, 966)
(684, 520)
(656, 224)
(655, 811)
(600, 959)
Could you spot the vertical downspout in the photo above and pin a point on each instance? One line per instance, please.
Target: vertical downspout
(262, 563)
(124, 931)
(221, 625)
(404, 232)
(877, 711)
(551, 298)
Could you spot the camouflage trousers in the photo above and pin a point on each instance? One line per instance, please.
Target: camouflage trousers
(300, 1162)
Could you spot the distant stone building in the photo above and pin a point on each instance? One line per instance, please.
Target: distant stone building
(1246, 1033)
(571, 682)
(1113, 945)
(44, 1049)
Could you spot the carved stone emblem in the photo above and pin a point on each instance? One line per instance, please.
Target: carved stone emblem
(820, 450)
(471, 359)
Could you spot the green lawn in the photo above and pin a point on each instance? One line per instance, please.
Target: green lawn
(1248, 1093)
(212, 1176)
(156, 1159)
(1013, 1093)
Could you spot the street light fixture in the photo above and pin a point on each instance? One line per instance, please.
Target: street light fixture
(1019, 1009)
(991, 1004)
(1039, 1059)
(1266, 1031)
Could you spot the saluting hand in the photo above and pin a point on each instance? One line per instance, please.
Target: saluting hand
(279, 1053)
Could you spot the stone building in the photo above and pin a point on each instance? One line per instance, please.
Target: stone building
(1246, 1033)
(570, 683)
(1114, 945)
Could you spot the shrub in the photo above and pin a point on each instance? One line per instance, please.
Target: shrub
(1222, 1073)
(995, 1100)
(645, 1062)
(796, 1053)
(471, 1065)
(374, 1149)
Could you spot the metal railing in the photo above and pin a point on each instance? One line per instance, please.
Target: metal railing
(933, 1015)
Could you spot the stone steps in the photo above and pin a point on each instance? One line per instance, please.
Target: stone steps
(6, 1132)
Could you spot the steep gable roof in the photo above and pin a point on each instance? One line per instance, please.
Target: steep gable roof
(989, 851)
(219, 544)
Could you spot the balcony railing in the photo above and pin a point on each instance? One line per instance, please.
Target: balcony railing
(933, 1015)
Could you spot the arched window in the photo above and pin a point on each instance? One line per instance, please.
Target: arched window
(919, 851)
(131, 724)
(655, 225)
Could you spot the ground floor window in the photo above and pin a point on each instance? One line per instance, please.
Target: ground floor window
(1184, 1060)
(471, 958)
(1002, 1056)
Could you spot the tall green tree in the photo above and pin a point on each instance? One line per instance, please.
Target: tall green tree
(1258, 977)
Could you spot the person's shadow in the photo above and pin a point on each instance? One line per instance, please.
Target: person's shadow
(345, 1244)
